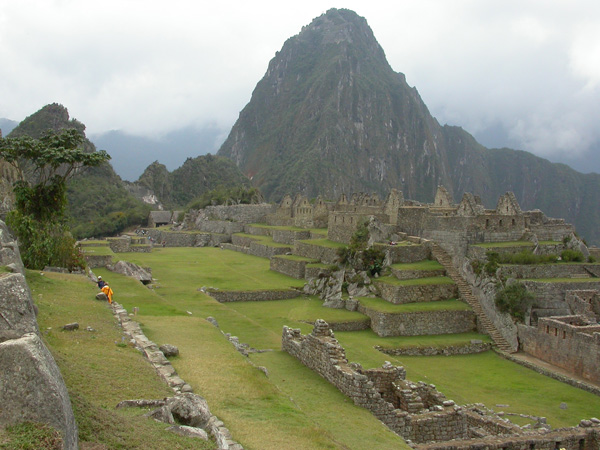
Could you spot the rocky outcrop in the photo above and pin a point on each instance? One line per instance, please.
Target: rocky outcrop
(33, 389)
(132, 270)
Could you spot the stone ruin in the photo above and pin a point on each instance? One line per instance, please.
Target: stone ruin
(418, 412)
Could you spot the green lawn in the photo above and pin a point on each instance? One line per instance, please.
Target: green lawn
(427, 264)
(97, 371)
(415, 281)
(293, 406)
(102, 250)
(324, 243)
(381, 305)
(297, 258)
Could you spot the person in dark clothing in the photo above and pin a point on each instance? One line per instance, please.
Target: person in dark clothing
(101, 283)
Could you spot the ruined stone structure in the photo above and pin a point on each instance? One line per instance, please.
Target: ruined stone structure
(417, 411)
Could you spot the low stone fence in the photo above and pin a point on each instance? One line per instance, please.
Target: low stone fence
(405, 253)
(241, 241)
(186, 239)
(356, 325)
(414, 293)
(257, 230)
(290, 237)
(420, 323)
(412, 274)
(550, 271)
(140, 248)
(252, 296)
(467, 349)
(267, 251)
(294, 268)
(94, 261)
(219, 227)
(326, 255)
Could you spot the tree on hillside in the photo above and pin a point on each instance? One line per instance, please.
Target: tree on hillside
(44, 166)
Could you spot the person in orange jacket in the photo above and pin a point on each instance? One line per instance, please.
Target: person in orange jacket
(108, 292)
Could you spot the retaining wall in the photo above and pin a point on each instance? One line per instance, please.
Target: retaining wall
(420, 323)
(399, 294)
(326, 255)
(292, 267)
(413, 274)
(404, 253)
(252, 296)
(550, 270)
(450, 350)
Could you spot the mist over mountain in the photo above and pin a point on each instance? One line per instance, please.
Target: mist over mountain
(331, 116)
(7, 125)
(131, 154)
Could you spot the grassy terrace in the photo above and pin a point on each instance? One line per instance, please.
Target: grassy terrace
(264, 240)
(416, 281)
(211, 267)
(436, 341)
(421, 265)
(293, 407)
(505, 244)
(103, 250)
(94, 243)
(324, 243)
(381, 305)
(297, 258)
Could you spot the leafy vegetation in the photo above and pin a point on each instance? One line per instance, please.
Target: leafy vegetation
(44, 166)
(514, 299)
(358, 255)
(571, 256)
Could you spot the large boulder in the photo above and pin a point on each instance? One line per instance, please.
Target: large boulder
(17, 311)
(32, 388)
(132, 270)
(9, 250)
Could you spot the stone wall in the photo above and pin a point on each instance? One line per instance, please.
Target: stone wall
(252, 296)
(267, 251)
(326, 255)
(467, 349)
(290, 237)
(551, 295)
(550, 271)
(220, 226)
(420, 323)
(412, 274)
(404, 253)
(400, 294)
(292, 267)
(565, 342)
(94, 261)
(315, 271)
(186, 239)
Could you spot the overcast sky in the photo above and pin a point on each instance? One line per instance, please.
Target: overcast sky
(524, 74)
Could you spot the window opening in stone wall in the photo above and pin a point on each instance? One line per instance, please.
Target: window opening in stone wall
(532, 446)
(513, 222)
(581, 444)
(547, 329)
(500, 223)
(564, 334)
(487, 223)
(557, 445)
(556, 332)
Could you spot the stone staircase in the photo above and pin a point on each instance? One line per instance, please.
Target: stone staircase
(467, 295)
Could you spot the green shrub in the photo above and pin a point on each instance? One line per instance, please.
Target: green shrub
(591, 259)
(571, 256)
(477, 266)
(514, 299)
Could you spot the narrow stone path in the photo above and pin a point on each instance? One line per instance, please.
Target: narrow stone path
(467, 295)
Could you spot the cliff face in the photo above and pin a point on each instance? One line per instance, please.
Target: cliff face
(331, 116)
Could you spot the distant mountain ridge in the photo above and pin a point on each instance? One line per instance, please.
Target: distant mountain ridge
(331, 116)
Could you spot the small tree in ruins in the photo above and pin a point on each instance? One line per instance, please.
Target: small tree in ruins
(44, 166)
